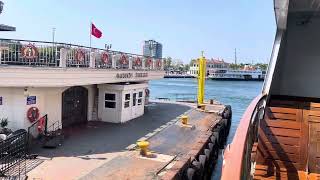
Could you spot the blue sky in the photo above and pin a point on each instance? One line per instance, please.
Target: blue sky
(184, 27)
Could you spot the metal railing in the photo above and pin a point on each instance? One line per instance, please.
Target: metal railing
(237, 156)
(13, 153)
(52, 54)
(33, 131)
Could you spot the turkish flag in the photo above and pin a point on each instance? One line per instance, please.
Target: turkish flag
(95, 31)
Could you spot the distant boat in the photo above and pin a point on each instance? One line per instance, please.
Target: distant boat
(247, 74)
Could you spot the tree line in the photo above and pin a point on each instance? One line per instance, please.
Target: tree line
(178, 65)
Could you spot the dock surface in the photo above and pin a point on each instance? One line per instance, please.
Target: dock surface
(108, 151)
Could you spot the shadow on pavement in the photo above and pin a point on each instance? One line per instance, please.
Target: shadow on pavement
(100, 137)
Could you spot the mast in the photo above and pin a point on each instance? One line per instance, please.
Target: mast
(235, 55)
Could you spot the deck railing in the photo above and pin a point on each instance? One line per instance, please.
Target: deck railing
(63, 55)
(237, 156)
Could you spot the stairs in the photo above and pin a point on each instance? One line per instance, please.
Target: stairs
(53, 139)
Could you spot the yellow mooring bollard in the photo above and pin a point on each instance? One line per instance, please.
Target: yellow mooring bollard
(184, 119)
(143, 145)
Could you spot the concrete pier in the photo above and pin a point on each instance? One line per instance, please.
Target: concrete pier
(108, 151)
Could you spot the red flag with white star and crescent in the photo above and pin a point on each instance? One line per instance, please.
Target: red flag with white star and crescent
(95, 31)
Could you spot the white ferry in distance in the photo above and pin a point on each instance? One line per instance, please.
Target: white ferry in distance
(248, 73)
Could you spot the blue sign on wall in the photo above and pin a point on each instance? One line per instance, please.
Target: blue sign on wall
(0, 100)
(31, 100)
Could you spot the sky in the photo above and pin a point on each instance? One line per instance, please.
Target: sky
(184, 27)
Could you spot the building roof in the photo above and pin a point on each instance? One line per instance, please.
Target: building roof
(4, 27)
(215, 61)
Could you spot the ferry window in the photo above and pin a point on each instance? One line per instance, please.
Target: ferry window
(127, 101)
(109, 100)
(110, 97)
(140, 94)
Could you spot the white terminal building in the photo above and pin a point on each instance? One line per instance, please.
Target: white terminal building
(212, 66)
(71, 84)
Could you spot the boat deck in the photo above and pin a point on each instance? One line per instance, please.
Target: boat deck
(288, 141)
(265, 172)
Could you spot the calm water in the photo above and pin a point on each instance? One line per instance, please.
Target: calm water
(238, 94)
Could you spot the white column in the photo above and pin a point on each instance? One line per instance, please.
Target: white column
(92, 63)
(63, 57)
(143, 63)
(162, 64)
(114, 60)
(130, 62)
(153, 64)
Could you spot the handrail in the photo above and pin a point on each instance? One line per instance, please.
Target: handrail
(234, 153)
(81, 46)
(32, 125)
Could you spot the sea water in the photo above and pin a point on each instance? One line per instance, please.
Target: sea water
(238, 94)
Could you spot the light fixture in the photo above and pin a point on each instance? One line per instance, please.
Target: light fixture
(26, 92)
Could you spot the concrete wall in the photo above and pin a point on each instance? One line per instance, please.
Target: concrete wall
(120, 114)
(48, 101)
(298, 67)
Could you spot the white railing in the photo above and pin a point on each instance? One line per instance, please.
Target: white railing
(50, 54)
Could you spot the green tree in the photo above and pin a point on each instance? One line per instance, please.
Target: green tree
(193, 61)
(167, 63)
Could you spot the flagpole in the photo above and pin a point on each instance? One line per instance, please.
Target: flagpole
(90, 33)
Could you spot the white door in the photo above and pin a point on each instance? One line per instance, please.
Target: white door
(134, 104)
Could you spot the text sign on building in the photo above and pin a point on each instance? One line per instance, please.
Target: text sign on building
(31, 100)
(0, 100)
(131, 75)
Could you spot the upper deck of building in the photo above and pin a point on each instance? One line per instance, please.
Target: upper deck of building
(49, 64)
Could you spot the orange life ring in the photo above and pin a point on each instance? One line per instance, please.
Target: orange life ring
(123, 59)
(33, 114)
(138, 61)
(41, 124)
(148, 62)
(79, 55)
(105, 58)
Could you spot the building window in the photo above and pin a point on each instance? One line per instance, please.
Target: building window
(109, 100)
(127, 101)
(140, 98)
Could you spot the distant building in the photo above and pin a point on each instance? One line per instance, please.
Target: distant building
(212, 66)
(152, 48)
(4, 27)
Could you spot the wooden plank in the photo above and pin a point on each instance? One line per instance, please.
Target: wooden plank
(304, 141)
(279, 139)
(290, 166)
(283, 156)
(313, 113)
(314, 176)
(281, 124)
(314, 148)
(282, 147)
(282, 110)
(314, 105)
(291, 117)
(281, 132)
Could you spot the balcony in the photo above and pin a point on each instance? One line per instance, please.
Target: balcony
(49, 64)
